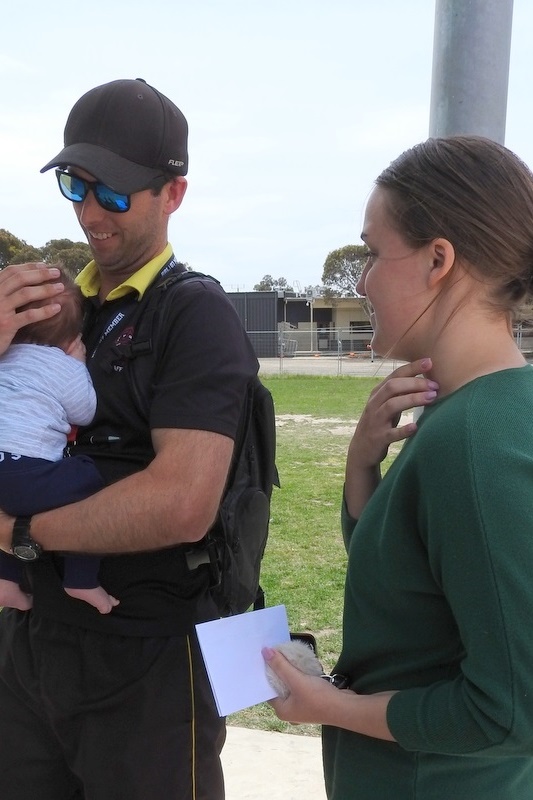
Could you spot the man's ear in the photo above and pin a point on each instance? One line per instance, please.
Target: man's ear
(175, 190)
(441, 254)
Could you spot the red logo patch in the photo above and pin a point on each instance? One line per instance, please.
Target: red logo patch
(125, 337)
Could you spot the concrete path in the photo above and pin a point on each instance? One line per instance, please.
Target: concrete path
(262, 765)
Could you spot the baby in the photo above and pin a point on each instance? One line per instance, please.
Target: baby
(45, 389)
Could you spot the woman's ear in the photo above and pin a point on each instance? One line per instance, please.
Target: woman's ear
(442, 259)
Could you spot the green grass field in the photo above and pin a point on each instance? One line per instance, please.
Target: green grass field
(305, 561)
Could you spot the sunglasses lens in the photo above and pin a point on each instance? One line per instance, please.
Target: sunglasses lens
(111, 200)
(75, 189)
(72, 188)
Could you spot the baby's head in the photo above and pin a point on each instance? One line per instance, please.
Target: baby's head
(63, 328)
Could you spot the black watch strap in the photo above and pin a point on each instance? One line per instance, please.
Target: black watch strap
(23, 546)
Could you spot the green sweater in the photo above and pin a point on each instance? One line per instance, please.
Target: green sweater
(439, 606)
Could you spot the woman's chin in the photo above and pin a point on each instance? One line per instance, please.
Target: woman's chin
(379, 348)
(389, 352)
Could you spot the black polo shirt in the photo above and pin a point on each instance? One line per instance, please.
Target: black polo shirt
(201, 364)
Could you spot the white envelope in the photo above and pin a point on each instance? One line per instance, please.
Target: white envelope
(231, 648)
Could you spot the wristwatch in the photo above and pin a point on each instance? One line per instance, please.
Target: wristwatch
(22, 545)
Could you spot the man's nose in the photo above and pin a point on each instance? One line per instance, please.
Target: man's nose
(89, 211)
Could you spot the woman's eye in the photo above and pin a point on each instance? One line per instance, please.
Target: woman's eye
(370, 256)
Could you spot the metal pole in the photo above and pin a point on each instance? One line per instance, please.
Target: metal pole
(471, 53)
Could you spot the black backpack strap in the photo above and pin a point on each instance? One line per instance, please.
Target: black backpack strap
(143, 341)
(152, 304)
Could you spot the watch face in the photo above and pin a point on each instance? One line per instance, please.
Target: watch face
(25, 552)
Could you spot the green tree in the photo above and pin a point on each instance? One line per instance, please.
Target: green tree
(55, 246)
(342, 270)
(269, 284)
(73, 256)
(27, 253)
(266, 284)
(9, 247)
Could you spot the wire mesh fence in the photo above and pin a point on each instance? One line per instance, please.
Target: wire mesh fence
(336, 351)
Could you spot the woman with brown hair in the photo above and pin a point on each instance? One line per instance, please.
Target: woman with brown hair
(437, 640)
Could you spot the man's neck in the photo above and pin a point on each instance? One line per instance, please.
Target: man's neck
(94, 282)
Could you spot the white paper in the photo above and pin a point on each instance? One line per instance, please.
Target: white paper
(231, 648)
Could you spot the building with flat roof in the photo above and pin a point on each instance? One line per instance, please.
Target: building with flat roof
(289, 322)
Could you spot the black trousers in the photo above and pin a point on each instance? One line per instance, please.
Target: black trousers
(86, 716)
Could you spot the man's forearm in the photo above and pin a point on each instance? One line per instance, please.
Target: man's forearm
(129, 516)
(165, 504)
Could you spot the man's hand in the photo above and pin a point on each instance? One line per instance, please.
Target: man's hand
(21, 284)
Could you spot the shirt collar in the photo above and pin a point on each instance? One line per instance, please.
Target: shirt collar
(89, 278)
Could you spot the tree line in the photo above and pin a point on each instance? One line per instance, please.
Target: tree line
(73, 256)
(340, 272)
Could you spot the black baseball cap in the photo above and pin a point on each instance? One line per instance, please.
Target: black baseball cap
(125, 133)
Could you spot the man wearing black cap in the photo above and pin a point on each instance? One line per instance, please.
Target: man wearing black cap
(118, 706)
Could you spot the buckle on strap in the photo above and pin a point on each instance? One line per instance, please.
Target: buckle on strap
(338, 681)
(205, 553)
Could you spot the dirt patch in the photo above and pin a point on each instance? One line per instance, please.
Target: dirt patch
(337, 427)
(332, 425)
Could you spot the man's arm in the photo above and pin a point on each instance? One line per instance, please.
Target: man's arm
(22, 284)
(174, 500)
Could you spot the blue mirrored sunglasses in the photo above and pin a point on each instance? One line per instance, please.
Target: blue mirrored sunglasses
(76, 189)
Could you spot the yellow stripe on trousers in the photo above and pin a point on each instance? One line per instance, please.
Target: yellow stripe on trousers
(193, 723)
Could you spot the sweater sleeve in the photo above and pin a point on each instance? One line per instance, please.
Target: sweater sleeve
(478, 519)
(347, 522)
(79, 396)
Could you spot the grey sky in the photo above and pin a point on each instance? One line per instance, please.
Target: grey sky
(294, 107)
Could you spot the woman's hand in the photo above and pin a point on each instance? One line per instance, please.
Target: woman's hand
(21, 284)
(317, 701)
(309, 696)
(378, 428)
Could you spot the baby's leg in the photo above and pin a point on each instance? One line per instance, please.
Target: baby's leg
(97, 597)
(81, 582)
(12, 596)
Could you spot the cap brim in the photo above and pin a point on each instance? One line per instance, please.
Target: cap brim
(116, 172)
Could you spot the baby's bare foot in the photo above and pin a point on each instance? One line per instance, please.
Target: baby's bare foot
(97, 597)
(12, 596)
